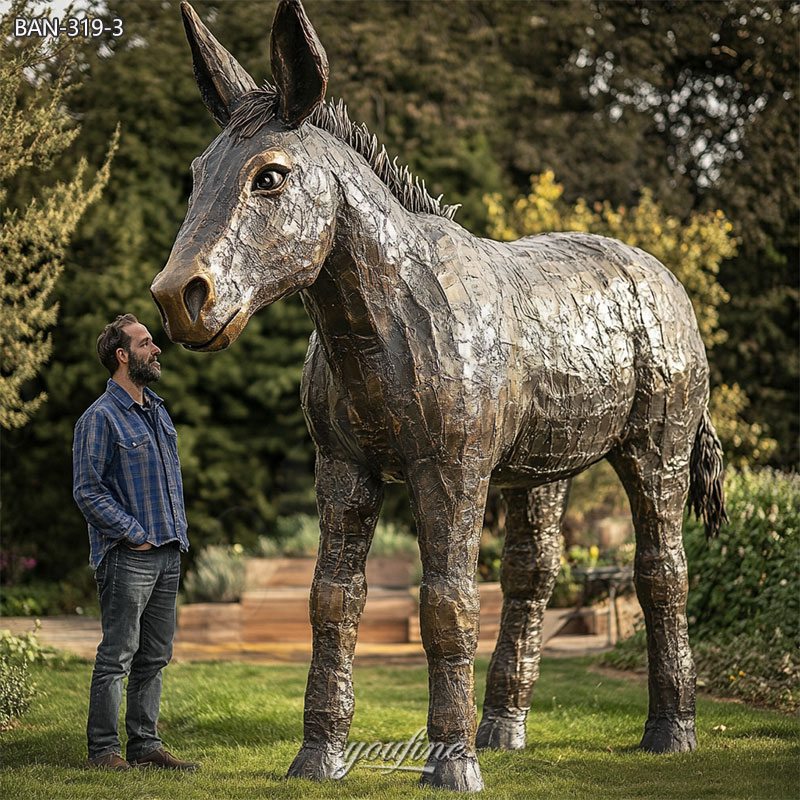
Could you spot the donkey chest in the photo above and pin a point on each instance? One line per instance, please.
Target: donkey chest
(353, 408)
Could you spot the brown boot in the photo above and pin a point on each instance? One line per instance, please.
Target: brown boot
(112, 761)
(161, 759)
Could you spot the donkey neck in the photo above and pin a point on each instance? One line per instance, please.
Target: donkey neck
(362, 293)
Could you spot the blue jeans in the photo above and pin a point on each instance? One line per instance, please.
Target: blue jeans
(138, 591)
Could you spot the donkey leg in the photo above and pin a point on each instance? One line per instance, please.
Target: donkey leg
(349, 500)
(449, 507)
(531, 560)
(657, 491)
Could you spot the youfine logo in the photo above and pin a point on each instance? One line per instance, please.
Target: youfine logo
(398, 755)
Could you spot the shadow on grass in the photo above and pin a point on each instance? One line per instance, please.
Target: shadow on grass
(235, 729)
(43, 749)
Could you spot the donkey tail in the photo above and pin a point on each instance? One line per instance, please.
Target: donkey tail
(706, 492)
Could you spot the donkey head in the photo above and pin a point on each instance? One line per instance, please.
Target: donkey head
(261, 216)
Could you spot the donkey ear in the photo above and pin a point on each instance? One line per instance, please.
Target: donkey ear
(222, 80)
(299, 63)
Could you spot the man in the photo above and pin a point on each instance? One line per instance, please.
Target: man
(127, 482)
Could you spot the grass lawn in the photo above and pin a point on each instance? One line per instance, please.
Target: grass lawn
(244, 723)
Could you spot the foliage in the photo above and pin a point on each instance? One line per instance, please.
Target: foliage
(745, 443)
(490, 557)
(630, 653)
(18, 601)
(393, 541)
(756, 667)
(245, 722)
(23, 649)
(76, 594)
(747, 579)
(692, 250)
(16, 691)
(569, 586)
(593, 495)
(34, 234)
(743, 607)
(298, 537)
(13, 566)
(217, 575)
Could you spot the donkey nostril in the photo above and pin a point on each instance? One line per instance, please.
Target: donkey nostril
(194, 297)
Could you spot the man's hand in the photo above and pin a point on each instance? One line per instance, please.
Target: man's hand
(145, 546)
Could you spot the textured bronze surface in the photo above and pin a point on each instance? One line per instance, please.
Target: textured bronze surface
(447, 362)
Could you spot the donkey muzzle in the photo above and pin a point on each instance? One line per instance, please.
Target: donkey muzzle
(186, 299)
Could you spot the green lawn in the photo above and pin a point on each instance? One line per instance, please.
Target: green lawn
(244, 723)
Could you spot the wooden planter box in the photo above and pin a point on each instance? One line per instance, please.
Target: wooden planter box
(274, 573)
(391, 572)
(281, 614)
(209, 623)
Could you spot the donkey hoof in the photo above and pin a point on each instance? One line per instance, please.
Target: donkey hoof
(460, 774)
(669, 735)
(500, 733)
(316, 764)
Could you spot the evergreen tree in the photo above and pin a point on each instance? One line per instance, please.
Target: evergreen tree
(35, 232)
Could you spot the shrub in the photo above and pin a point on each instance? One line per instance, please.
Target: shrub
(296, 537)
(747, 579)
(217, 575)
(743, 607)
(14, 566)
(16, 688)
(490, 558)
(20, 601)
(77, 594)
(392, 540)
(16, 691)
(24, 649)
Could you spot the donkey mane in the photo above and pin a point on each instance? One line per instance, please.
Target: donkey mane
(259, 107)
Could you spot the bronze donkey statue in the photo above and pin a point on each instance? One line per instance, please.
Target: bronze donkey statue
(448, 362)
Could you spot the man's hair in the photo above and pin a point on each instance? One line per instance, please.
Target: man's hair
(113, 337)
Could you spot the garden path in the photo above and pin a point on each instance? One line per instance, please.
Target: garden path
(81, 635)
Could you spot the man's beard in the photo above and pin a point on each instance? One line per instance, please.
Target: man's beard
(142, 371)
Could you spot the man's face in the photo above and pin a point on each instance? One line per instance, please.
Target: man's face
(142, 354)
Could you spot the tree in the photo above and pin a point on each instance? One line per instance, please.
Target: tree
(34, 234)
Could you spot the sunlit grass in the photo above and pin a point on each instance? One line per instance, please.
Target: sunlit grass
(244, 723)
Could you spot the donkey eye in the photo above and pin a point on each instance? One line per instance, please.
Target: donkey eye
(268, 180)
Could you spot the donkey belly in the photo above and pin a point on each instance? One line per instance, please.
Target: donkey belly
(573, 388)
(570, 423)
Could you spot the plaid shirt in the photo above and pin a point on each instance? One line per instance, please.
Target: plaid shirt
(126, 473)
